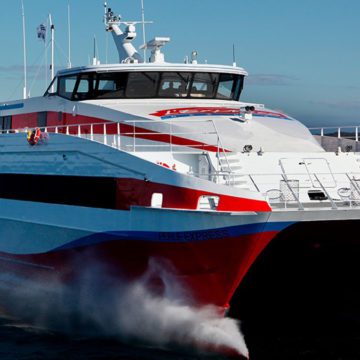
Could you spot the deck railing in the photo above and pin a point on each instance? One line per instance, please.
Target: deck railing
(175, 136)
(339, 189)
(341, 132)
(341, 138)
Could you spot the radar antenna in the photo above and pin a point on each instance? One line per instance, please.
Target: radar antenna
(123, 39)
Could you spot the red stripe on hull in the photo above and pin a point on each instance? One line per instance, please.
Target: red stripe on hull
(139, 192)
(210, 271)
(196, 111)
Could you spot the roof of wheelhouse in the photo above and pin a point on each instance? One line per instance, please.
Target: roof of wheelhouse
(154, 67)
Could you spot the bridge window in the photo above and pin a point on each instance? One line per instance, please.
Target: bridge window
(110, 85)
(174, 84)
(150, 84)
(204, 85)
(142, 85)
(66, 86)
(229, 87)
(53, 88)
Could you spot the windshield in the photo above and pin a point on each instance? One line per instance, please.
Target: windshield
(150, 84)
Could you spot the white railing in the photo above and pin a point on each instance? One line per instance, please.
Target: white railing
(341, 132)
(335, 139)
(155, 131)
(283, 190)
(149, 135)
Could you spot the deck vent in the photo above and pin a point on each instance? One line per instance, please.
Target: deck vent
(317, 195)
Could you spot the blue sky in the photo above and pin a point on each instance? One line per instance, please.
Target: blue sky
(303, 57)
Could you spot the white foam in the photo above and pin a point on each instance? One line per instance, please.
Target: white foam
(129, 311)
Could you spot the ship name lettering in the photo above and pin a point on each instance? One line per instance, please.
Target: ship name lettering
(193, 235)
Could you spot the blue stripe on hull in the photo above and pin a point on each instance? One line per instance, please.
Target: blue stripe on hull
(11, 106)
(176, 237)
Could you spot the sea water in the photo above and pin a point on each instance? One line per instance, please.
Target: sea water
(96, 319)
(24, 342)
(306, 307)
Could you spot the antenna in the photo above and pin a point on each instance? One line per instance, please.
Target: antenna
(143, 26)
(106, 34)
(95, 61)
(69, 36)
(46, 56)
(234, 57)
(123, 38)
(94, 46)
(105, 10)
(24, 48)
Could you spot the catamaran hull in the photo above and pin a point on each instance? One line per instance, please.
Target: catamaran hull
(206, 253)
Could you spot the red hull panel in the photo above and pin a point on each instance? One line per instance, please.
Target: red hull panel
(132, 192)
(208, 271)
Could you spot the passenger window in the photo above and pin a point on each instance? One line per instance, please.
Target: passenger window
(42, 120)
(5, 122)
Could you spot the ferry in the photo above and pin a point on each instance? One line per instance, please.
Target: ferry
(153, 166)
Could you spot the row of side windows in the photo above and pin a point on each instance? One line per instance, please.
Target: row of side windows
(6, 122)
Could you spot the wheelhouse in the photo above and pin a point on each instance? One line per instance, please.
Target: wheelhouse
(92, 85)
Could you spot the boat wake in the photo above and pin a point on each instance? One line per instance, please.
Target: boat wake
(129, 311)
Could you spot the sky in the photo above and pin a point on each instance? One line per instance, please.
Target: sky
(303, 57)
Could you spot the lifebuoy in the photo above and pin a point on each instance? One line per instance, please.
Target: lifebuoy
(33, 136)
(163, 164)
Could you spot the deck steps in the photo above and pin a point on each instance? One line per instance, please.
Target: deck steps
(231, 163)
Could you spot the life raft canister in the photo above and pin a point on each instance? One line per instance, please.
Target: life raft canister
(33, 136)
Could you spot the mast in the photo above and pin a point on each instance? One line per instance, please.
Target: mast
(123, 39)
(106, 34)
(69, 36)
(25, 95)
(46, 56)
(52, 66)
(143, 27)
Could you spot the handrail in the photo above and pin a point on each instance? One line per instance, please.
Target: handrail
(105, 130)
(301, 207)
(262, 187)
(355, 185)
(222, 149)
(254, 183)
(338, 130)
(231, 173)
(102, 129)
(79, 129)
(333, 205)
